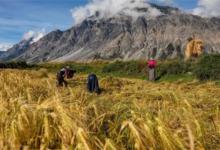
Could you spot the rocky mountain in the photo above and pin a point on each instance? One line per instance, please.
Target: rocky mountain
(122, 37)
(15, 51)
(2, 52)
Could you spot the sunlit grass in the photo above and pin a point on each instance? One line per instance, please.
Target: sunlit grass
(129, 114)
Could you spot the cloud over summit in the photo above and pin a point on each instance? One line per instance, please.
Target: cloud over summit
(34, 35)
(109, 8)
(5, 46)
(208, 8)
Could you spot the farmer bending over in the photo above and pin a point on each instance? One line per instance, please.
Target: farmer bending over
(64, 72)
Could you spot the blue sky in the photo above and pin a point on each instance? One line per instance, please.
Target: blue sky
(20, 16)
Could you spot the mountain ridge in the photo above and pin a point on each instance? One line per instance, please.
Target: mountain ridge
(122, 37)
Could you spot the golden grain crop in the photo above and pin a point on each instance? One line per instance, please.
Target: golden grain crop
(129, 114)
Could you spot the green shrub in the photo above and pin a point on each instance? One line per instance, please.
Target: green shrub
(15, 64)
(208, 67)
(174, 67)
(130, 68)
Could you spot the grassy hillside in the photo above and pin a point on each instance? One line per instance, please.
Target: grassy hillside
(129, 114)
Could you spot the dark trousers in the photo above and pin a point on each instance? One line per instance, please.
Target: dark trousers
(61, 81)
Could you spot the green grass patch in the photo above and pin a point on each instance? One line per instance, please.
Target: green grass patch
(135, 69)
(177, 78)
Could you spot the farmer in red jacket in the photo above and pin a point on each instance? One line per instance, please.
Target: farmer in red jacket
(151, 69)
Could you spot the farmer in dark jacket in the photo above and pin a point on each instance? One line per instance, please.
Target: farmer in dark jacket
(93, 84)
(61, 77)
(64, 72)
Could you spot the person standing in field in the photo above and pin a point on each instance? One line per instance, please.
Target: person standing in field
(152, 69)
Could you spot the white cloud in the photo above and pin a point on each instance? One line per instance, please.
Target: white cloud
(5, 46)
(109, 8)
(207, 8)
(34, 35)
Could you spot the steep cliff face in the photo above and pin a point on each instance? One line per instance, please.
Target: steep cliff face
(123, 37)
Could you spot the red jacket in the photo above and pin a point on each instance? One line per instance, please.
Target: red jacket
(151, 64)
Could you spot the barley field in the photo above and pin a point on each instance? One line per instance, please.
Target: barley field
(130, 114)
